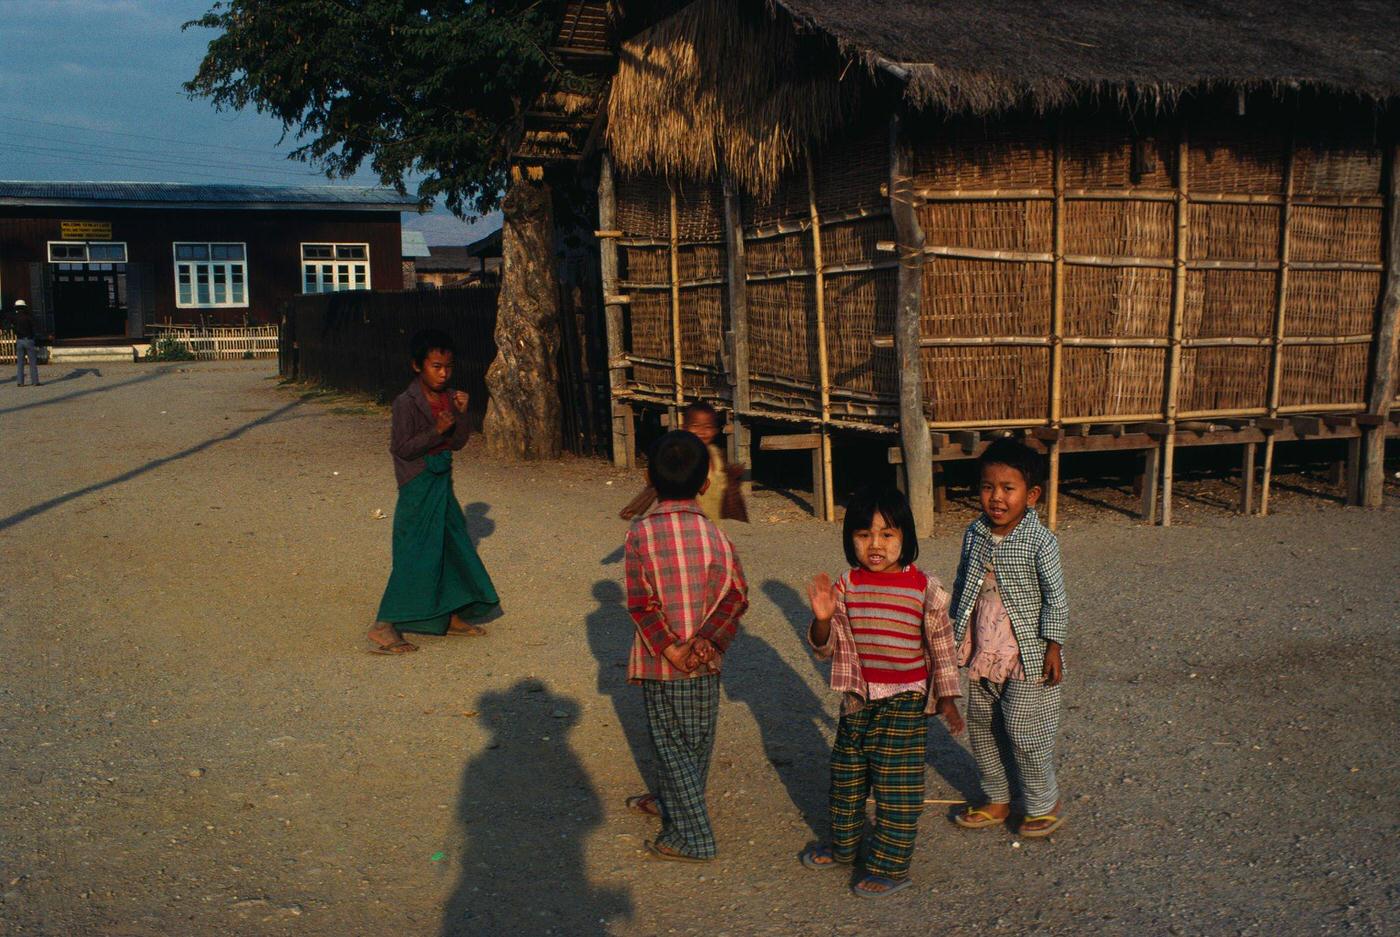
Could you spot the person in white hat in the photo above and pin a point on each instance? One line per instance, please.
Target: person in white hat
(25, 346)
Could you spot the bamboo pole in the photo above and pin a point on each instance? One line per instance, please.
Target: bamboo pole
(1280, 317)
(1057, 327)
(1383, 384)
(1179, 284)
(913, 425)
(826, 495)
(676, 308)
(739, 435)
(622, 440)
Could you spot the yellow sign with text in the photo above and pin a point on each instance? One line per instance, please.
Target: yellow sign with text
(85, 230)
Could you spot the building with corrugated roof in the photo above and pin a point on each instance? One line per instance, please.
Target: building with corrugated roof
(106, 260)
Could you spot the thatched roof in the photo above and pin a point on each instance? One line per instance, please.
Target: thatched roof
(986, 55)
(749, 84)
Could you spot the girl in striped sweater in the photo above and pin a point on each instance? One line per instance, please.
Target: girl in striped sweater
(885, 627)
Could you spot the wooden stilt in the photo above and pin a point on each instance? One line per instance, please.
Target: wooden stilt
(1351, 475)
(739, 433)
(1268, 476)
(1151, 468)
(1183, 215)
(821, 475)
(940, 489)
(1383, 349)
(913, 424)
(623, 445)
(826, 496)
(1280, 330)
(1247, 479)
(1057, 329)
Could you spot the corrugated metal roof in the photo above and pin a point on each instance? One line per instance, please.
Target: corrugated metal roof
(414, 244)
(180, 194)
(448, 260)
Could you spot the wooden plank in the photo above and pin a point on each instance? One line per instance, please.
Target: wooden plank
(1382, 391)
(1049, 433)
(913, 424)
(1247, 478)
(968, 439)
(790, 442)
(740, 435)
(623, 445)
(1306, 425)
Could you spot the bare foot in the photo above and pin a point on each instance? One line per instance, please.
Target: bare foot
(384, 634)
(460, 627)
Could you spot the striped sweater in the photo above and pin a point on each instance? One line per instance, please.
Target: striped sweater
(886, 611)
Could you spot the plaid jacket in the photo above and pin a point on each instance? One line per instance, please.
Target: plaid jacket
(940, 655)
(1029, 578)
(683, 581)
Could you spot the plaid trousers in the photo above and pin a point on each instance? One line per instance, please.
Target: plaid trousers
(681, 715)
(880, 746)
(1015, 721)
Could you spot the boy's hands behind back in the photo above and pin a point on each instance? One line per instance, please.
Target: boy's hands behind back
(947, 707)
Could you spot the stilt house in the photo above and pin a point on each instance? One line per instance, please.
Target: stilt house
(1100, 225)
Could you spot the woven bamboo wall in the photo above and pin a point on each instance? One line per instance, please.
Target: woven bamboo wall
(1237, 274)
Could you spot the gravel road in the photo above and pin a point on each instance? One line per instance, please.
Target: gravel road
(195, 741)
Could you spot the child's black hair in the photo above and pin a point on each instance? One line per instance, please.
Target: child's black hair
(1017, 455)
(428, 340)
(678, 466)
(893, 507)
(698, 407)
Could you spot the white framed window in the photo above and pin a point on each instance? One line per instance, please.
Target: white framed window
(330, 268)
(82, 252)
(210, 275)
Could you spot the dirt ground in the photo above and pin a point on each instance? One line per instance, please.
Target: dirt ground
(195, 741)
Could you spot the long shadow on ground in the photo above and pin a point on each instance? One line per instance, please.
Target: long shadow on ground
(525, 808)
(102, 389)
(33, 511)
(610, 629)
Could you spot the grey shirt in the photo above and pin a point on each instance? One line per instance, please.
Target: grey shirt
(413, 433)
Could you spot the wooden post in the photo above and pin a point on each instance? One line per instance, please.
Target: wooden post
(1151, 470)
(824, 498)
(1247, 478)
(622, 441)
(1280, 318)
(1383, 351)
(913, 425)
(676, 308)
(940, 489)
(1057, 328)
(1183, 214)
(739, 435)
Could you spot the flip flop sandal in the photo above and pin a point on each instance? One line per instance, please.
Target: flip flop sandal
(648, 805)
(471, 631)
(398, 647)
(977, 819)
(811, 854)
(1054, 824)
(659, 851)
(892, 885)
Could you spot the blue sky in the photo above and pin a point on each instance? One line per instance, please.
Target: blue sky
(90, 89)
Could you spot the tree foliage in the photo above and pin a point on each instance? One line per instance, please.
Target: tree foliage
(434, 89)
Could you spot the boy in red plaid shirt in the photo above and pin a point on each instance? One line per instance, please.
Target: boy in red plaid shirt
(685, 591)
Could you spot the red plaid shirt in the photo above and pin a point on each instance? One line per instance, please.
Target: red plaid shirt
(683, 581)
(939, 653)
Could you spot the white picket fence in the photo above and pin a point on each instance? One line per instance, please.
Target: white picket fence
(221, 343)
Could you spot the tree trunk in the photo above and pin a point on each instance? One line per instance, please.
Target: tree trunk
(523, 415)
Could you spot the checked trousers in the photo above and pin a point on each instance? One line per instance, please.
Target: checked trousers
(1015, 721)
(879, 749)
(681, 715)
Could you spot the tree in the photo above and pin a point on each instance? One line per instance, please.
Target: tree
(433, 89)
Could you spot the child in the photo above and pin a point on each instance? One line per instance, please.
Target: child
(723, 498)
(885, 626)
(437, 581)
(685, 591)
(1009, 615)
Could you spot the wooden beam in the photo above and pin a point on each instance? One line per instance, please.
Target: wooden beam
(740, 436)
(1151, 471)
(1280, 323)
(676, 301)
(794, 441)
(825, 495)
(1383, 351)
(1178, 315)
(623, 444)
(1057, 329)
(1306, 425)
(1247, 479)
(913, 424)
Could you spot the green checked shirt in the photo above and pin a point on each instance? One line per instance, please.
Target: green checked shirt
(1029, 578)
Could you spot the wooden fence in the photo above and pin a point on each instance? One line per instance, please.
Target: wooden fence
(221, 343)
(358, 340)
